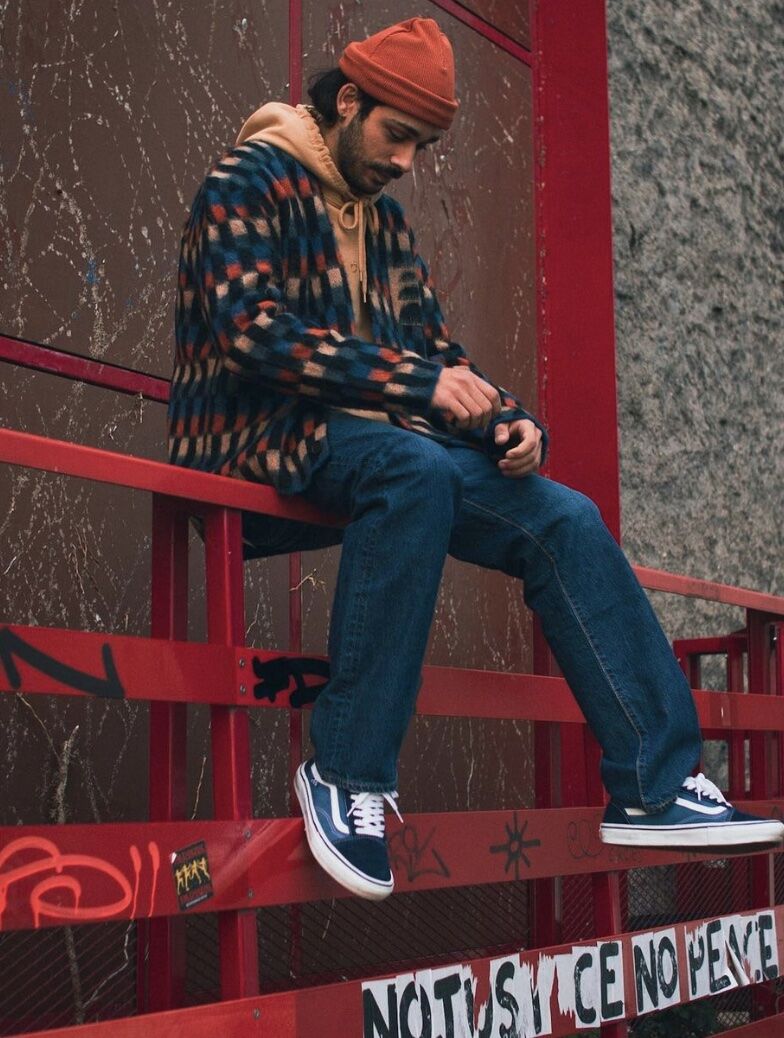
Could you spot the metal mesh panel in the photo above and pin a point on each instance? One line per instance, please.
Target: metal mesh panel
(697, 1019)
(675, 893)
(202, 965)
(329, 941)
(577, 910)
(667, 894)
(61, 977)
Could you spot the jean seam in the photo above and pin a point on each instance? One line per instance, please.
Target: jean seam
(339, 716)
(602, 665)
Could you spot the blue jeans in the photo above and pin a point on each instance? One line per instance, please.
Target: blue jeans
(411, 502)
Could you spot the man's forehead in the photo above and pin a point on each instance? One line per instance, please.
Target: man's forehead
(415, 127)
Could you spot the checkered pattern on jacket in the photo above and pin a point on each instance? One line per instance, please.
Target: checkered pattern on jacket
(265, 327)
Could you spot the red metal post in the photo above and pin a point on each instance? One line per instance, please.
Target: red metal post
(295, 559)
(230, 739)
(761, 663)
(576, 354)
(162, 973)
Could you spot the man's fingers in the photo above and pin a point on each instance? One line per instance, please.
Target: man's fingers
(466, 398)
(530, 439)
(491, 393)
(516, 467)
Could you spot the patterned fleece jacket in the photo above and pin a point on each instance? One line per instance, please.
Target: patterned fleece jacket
(266, 341)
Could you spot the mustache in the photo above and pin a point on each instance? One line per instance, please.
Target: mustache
(390, 172)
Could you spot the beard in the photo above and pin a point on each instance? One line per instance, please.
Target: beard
(353, 164)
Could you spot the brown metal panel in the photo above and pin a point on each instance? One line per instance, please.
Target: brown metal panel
(110, 116)
(111, 113)
(512, 17)
(470, 201)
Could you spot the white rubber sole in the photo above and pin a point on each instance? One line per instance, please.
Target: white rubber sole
(729, 834)
(331, 861)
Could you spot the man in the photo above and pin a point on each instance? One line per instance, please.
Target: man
(312, 355)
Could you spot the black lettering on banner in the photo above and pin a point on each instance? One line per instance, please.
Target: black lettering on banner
(667, 985)
(696, 954)
(585, 1014)
(410, 996)
(770, 972)
(645, 973)
(732, 940)
(487, 1024)
(536, 1003)
(468, 991)
(610, 1010)
(506, 1000)
(712, 930)
(445, 990)
(374, 1024)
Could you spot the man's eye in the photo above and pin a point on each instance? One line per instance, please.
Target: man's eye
(396, 137)
(421, 147)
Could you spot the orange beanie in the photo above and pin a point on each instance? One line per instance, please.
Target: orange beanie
(407, 66)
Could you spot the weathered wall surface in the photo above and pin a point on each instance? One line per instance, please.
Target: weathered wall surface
(696, 90)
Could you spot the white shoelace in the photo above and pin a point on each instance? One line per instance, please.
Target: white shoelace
(368, 811)
(705, 788)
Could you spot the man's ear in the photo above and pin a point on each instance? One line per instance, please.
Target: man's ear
(347, 102)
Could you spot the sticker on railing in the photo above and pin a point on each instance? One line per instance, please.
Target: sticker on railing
(192, 878)
(535, 993)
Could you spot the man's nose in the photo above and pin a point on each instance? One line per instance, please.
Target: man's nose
(403, 158)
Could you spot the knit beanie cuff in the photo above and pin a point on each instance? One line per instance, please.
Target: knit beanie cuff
(387, 87)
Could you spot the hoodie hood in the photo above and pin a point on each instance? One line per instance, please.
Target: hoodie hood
(296, 131)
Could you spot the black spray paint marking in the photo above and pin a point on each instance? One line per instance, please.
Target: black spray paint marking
(418, 859)
(275, 675)
(107, 687)
(515, 847)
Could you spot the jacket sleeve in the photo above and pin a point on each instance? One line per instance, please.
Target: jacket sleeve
(451, 354)
(239, 270)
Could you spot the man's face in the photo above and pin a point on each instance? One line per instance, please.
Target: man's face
(380, 148)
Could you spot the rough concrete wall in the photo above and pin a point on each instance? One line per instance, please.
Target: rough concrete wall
(697, 113)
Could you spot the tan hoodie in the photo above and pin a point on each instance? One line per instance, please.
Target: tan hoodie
(296, 131)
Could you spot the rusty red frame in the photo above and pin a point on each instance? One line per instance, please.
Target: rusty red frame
(576, 361)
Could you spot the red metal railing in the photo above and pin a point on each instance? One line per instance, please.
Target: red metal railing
(53, 876)
(76, 875)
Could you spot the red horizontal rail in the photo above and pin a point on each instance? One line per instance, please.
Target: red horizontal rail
(667, 961)
(57, 456)
(693, 587)
(83, 369)
(124, 470)
(66, 874)
(486, 29)
(770, 1027)
(57, 661)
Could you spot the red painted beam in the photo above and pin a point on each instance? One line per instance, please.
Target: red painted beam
(692, 587)
(67, 874)
(337, 1010)
(56, 661)
(198, 488)
(576, 338)
(82, 369)
(486, 29)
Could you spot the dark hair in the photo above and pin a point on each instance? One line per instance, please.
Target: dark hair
(323, 89)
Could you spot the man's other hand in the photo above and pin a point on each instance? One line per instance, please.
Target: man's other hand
(525, 451)
(467, 400)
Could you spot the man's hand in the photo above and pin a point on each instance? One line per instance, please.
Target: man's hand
(525, 454)
(467, 400)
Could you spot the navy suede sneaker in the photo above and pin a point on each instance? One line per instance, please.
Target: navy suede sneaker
(345, 832)
(699, 817)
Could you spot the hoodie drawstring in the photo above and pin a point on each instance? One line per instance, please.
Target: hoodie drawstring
(352, 216)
